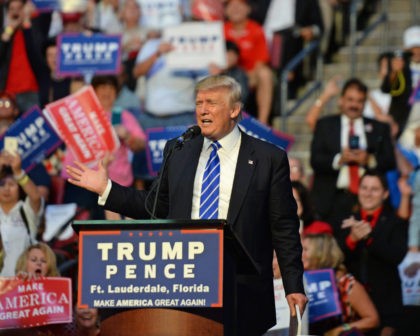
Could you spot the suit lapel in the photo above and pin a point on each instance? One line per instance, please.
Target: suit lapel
(369, 133)
(335, 133)
(245, 169)
(187, 162)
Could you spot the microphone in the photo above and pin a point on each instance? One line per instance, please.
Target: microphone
(189, 134)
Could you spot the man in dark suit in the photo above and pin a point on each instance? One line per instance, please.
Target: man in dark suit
(343, 146)
(255, 198)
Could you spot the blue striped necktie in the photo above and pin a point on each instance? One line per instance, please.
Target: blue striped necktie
(209, 199)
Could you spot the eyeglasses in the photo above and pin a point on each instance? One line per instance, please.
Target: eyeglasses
(5, 103)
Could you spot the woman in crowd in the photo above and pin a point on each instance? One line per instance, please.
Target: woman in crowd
(37, 260)
(86, 322)
(320, 250)
(374, 241)
(132, 139)
(21, 207)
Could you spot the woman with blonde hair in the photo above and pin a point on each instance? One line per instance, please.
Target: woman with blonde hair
(36, 261)
(321, 250)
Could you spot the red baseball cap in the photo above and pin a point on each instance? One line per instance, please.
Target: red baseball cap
(318, 227)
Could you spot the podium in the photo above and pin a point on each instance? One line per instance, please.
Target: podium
(161, 277)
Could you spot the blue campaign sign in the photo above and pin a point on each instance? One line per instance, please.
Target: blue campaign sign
(253, 127)
(323, 294)
(157, 138)
(415, 97)
(151, 268)
(156, 141)
(46, 5)
(36, 138)
(79, 54)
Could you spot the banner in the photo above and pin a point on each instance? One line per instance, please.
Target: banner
(151, 268)
(83, 125)
(46, 5)
(36, 139)
(253, 127)
(323, 295)
(207, 10)
(156, 141)
(158, 14)
(79, 54)
(415, 96)
(197, 44)
(157, 138)
(29, 303)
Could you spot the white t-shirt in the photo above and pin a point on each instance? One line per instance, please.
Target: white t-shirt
(14, 233)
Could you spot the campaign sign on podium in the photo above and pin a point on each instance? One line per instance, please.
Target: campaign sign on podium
(150, 266)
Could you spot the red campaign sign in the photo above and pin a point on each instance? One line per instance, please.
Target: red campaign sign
(207, 10)
(30, 303)
(83, 125)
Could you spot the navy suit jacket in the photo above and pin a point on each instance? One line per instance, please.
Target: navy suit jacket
(262, 212)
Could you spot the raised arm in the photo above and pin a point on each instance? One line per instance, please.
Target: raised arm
(28, 186)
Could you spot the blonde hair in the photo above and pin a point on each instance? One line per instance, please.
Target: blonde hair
(52, 269)
(326, 252)
(221, 81)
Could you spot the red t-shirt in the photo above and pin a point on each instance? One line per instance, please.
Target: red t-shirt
(251, 42)
(20, 78)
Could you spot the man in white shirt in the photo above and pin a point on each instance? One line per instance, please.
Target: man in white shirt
(343, 146)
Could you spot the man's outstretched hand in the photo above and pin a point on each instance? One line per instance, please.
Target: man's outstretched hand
(87, 178)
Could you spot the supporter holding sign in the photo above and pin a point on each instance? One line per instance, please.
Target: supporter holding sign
(92, 126)
(21, 208)
(36, 297)
(320, 251)
(83, 125)
(79, 54)
(37, 261)
(196, 45)
(158, 14)
(34, 137)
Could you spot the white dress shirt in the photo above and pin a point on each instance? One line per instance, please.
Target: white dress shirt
(343, 180)
(228, 155)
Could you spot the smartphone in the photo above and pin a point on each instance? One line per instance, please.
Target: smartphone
(354, 142)
(11, 144)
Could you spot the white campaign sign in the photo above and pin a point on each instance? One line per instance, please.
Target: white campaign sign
(197, 45)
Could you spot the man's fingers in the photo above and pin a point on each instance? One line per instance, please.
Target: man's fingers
(74, 172)
(80, 165)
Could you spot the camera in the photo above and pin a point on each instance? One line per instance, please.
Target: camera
(354, 142)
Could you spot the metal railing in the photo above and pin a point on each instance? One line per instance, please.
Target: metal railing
(284, 87)
(415, 7)
(356, 40)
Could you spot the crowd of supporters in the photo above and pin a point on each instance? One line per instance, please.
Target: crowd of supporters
(364, 160)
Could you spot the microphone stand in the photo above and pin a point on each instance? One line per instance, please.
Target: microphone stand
(157, 185)
(179, 143)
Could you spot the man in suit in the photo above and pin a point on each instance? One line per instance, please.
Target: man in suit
(255, 198)
(343, 146)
